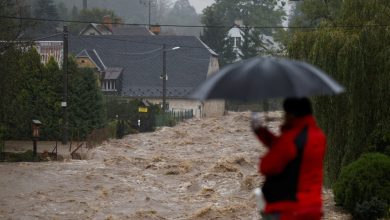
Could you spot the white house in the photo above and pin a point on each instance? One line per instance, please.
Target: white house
(236, 37)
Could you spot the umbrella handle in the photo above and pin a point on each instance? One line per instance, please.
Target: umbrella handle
(265, 109)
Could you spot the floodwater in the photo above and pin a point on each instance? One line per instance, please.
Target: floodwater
(199, 169)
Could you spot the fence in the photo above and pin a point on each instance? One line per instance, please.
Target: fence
(2, 149)
(170, 118)
(98, 136)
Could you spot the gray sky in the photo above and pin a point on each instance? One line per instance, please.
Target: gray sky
(199, 5)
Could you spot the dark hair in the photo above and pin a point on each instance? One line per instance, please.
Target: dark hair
(299, 107)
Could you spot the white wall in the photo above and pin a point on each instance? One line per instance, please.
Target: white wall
(181, 105)
(200, 109)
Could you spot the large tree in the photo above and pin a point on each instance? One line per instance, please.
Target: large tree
(91, 15)
(12, 29)
(220, 16)
(353, 46)
(31, 90)
(212, 34)
(86, 108)
(228, 54)
(182, 13)
(252, 44)
(47, 10)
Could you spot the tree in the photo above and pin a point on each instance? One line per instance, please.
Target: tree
(356, 121)
(46, 9)
(75, 13)
(11, 29)
(252, 44)
(183, 13)
(86, 106)
(162, 9)
(264, 13)
(92, 15)
(31, 90)
(62, 11)
(227, 55)
(50, 111)
(213, 35)
(252, 13)
(312, 13)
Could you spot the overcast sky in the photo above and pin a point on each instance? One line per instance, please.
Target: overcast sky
(199, 5)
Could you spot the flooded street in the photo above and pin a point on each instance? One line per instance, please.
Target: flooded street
(199, 169)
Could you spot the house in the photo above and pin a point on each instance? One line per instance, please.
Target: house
(131, 66)
(110, 78)
(236, 38)
(47, 49)
(236, 34)
(107, 28)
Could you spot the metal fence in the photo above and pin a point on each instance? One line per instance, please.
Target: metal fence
(2, 149)
(171, 118)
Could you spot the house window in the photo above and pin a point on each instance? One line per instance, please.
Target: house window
(166, 105)
(232, 41)
(82, 61)
(238, 42)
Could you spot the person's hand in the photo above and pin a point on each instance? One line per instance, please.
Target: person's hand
(256, 121)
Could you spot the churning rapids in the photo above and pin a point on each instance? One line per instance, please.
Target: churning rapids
(199, 169)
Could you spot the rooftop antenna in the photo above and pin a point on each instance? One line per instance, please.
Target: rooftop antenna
(149, 4)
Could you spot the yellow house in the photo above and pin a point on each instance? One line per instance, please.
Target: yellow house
(109, 78)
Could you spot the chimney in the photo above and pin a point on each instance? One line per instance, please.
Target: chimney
(85, 4)
(107, 22)
(155, 29)
(238, 23)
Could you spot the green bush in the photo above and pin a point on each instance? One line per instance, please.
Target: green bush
(363, 187)
(370, 209)
(26, 156)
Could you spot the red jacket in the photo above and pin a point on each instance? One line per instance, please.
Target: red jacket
(293, 168)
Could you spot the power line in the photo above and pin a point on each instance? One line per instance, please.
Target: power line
(121, 53)
(139, 42)
(194, 26)
(43, 38)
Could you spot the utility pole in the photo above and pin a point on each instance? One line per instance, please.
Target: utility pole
(164, 78)
(64, 103)
(149, 4)
(85, 4)
(149, 15)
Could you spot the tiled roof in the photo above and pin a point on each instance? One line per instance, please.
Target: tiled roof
(113, 72)
(131, 30)
(141, 58)
(94, 57)
(101, 28)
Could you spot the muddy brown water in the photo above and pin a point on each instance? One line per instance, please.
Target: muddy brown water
(199, 169)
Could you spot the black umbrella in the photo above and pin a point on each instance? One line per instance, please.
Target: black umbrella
(261, 78)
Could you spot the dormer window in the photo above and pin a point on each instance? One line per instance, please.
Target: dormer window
(238, 41)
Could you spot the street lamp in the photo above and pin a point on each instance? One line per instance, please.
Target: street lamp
(164, 75)
(35, 125)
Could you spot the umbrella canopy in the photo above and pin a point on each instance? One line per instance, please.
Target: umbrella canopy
(261, 78)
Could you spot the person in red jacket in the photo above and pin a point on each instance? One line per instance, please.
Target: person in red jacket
(293, 165)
